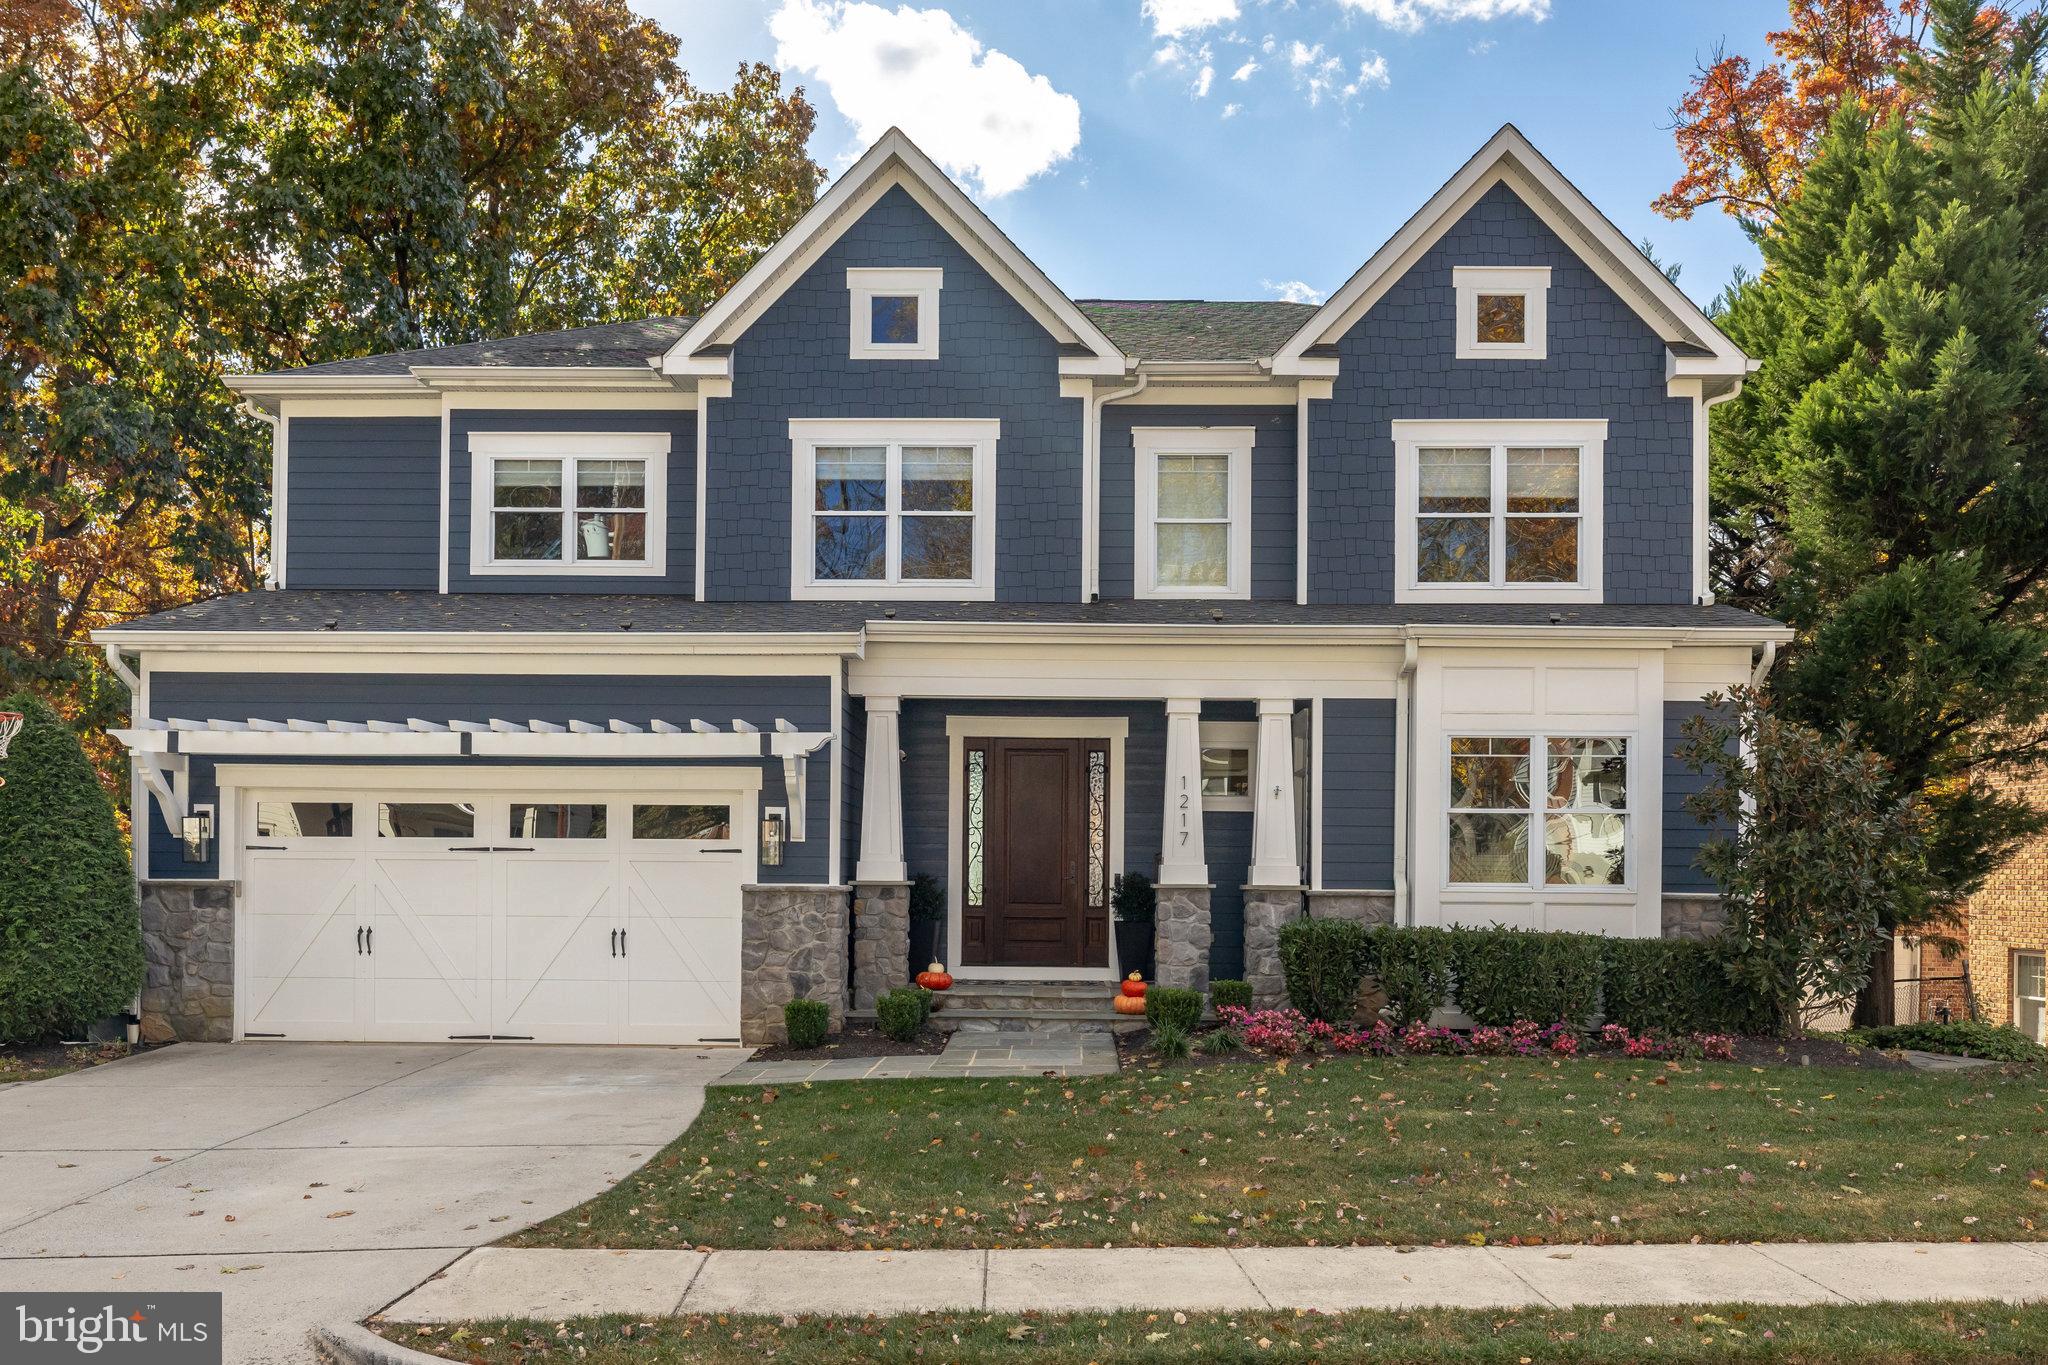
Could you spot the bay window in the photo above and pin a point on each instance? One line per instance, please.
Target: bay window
(1513, 823)
(893, 508)
(568, 502)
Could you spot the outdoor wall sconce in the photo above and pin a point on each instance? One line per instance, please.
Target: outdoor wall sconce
(774, 828)
(197, 833)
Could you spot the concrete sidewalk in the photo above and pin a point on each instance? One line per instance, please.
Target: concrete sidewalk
(969, 1055)
(496, 1282)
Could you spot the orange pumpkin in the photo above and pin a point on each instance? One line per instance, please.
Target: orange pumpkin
(1134, 985)
(1130, 1004)
(935, 978)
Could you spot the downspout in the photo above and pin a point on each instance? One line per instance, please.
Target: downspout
(1404, 686)
(273, 421)
(1763, 665)
(1091, 473)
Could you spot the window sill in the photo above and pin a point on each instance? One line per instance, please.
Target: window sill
(1564, 594)
(586, 569)
(892, 592)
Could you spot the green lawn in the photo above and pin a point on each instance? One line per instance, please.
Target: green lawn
(1919, 1334)
(1345, 1151)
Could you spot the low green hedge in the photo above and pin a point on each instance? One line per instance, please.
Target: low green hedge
(808, 1021)
(1413, 968)
(1172, 1007)
(1672, 986)
(1961, 1038)
(901, 1014)
(1507, 974)
(1322, 961)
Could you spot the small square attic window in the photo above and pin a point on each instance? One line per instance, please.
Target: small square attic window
(895, 314)
(1502, 312)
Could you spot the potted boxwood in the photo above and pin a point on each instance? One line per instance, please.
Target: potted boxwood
(927, 920)
(1134, 903)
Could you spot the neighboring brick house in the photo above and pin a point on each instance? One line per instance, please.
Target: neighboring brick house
(2003, 939)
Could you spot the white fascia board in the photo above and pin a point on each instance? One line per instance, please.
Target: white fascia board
(1228, 636)
(267, 391)
(565, 377)
(840, 643)
(1509, 156)
(1113, 367)
(893, 160)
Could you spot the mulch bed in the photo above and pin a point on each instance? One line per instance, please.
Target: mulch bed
(36, 1061)
(857, 1040)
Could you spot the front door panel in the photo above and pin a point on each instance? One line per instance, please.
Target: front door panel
(1035, 852)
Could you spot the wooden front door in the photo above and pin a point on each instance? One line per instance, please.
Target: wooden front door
(1036, 836)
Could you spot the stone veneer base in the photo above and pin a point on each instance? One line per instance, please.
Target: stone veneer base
(881, 940)
(1267, 909)
(188, 952)
(1696, 917)
(1181, 937)
(1367, 907)
(792, 947)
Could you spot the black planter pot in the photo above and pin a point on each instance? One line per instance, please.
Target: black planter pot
(1134, 947)
(924, 944)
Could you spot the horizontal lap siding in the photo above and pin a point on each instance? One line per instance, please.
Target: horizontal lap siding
(681, 476)
(760, 701)
(1683, 833)
(1273, 491)
(363, 502)
(1358, 794)
(1400, 362)
(995, 361)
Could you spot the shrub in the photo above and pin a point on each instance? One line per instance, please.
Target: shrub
(901, 1014)
(1672, 986)
(1413, 968)
(1322, 961)
(1169, 1006)
(1171, 1042)
(70, 939)
(927, 899)
(1963, 1038)
(1229, 993)
(1508, 974)
(807, 1022)
(1133, 899)
(1220, 1042)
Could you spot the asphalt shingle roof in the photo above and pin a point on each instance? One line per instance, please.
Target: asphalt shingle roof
(1196, 329)
(308, 609)
(609, 343)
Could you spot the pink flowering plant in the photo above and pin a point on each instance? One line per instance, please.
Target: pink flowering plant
(1290, 1033)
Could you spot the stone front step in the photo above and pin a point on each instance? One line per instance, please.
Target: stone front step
(1029, 1005)
(1040, 1021)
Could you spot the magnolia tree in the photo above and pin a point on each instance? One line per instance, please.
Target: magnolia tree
(1818, 853)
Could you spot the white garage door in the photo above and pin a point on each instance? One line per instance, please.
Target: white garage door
(608, 917)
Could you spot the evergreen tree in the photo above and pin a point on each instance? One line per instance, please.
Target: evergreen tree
(70, 937)
(1882, 484)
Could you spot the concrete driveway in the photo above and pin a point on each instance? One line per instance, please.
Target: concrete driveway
(316, 1182)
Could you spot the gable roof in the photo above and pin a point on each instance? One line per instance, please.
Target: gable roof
(1510, 158)
(893, 161)
(1196, 329)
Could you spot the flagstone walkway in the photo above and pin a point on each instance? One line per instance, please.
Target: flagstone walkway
(969, 1054)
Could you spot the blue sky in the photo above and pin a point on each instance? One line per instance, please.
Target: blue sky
(1090, 131)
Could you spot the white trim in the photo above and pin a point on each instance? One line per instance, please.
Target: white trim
(807, 434)
(1589, 436)
(893, 161)
(549, 778)
(569, 447)
(678, 397)
(447, 504)
(428, 406)
(1148, 444)
(1232, 734)
(1539, 812)
(707, 389)
(280, 491)
(2018, 956)
(1115, 729)
(1508, 157)
(495, 738)
(1531, 282)
(863, 285)
(1315, 793)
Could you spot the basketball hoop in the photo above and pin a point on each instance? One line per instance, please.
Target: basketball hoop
(10, 726)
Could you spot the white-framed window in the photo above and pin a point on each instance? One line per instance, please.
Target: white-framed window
(1510, 822)
(1228, 748)
(895, 313)
(592, 503)
(1503, 312)
(1493, 511)
(893, 507)
(1194, 512)
(2030, 995)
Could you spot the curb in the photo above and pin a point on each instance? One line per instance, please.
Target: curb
(354, 1344)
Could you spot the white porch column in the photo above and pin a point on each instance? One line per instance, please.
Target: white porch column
(1182, 860)
(1275, 857)
(881, 798)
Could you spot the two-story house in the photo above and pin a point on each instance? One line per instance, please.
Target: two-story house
(613, 682)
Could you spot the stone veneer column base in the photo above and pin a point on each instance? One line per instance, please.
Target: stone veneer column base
(188, 952)
(1696, 917)
(881, 940)
(1266, 910)
(1181, 938)
(1367, 907)
(792, 947)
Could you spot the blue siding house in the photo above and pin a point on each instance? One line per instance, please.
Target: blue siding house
(612, 685)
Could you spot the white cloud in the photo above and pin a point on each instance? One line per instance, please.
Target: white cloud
(1244, 73)
(1410, 15)
(1203, 80)
(975, 110)
(1372, 75)
(1293, 291)
(1232, 110)
(1321, 75)
(1171, 18)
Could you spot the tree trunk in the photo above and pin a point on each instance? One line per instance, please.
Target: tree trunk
(1876, 1003)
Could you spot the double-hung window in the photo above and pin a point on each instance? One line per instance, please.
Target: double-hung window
(1538, 811)
(568, 502)
(1498, 511)
(1194, 493)
(893, 508)
(2030, 995)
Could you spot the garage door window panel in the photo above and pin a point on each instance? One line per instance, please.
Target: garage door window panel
(536, 820)
(682, 823)
(426, 820)
(305, 819)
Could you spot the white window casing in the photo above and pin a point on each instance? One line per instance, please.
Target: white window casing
(1232, 522)
(569, 451)
(864, 286)
(1533, 806)
(2030, 995)
(1526, 439)
(885, 441)
(1230, 750)
(1530, 283)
